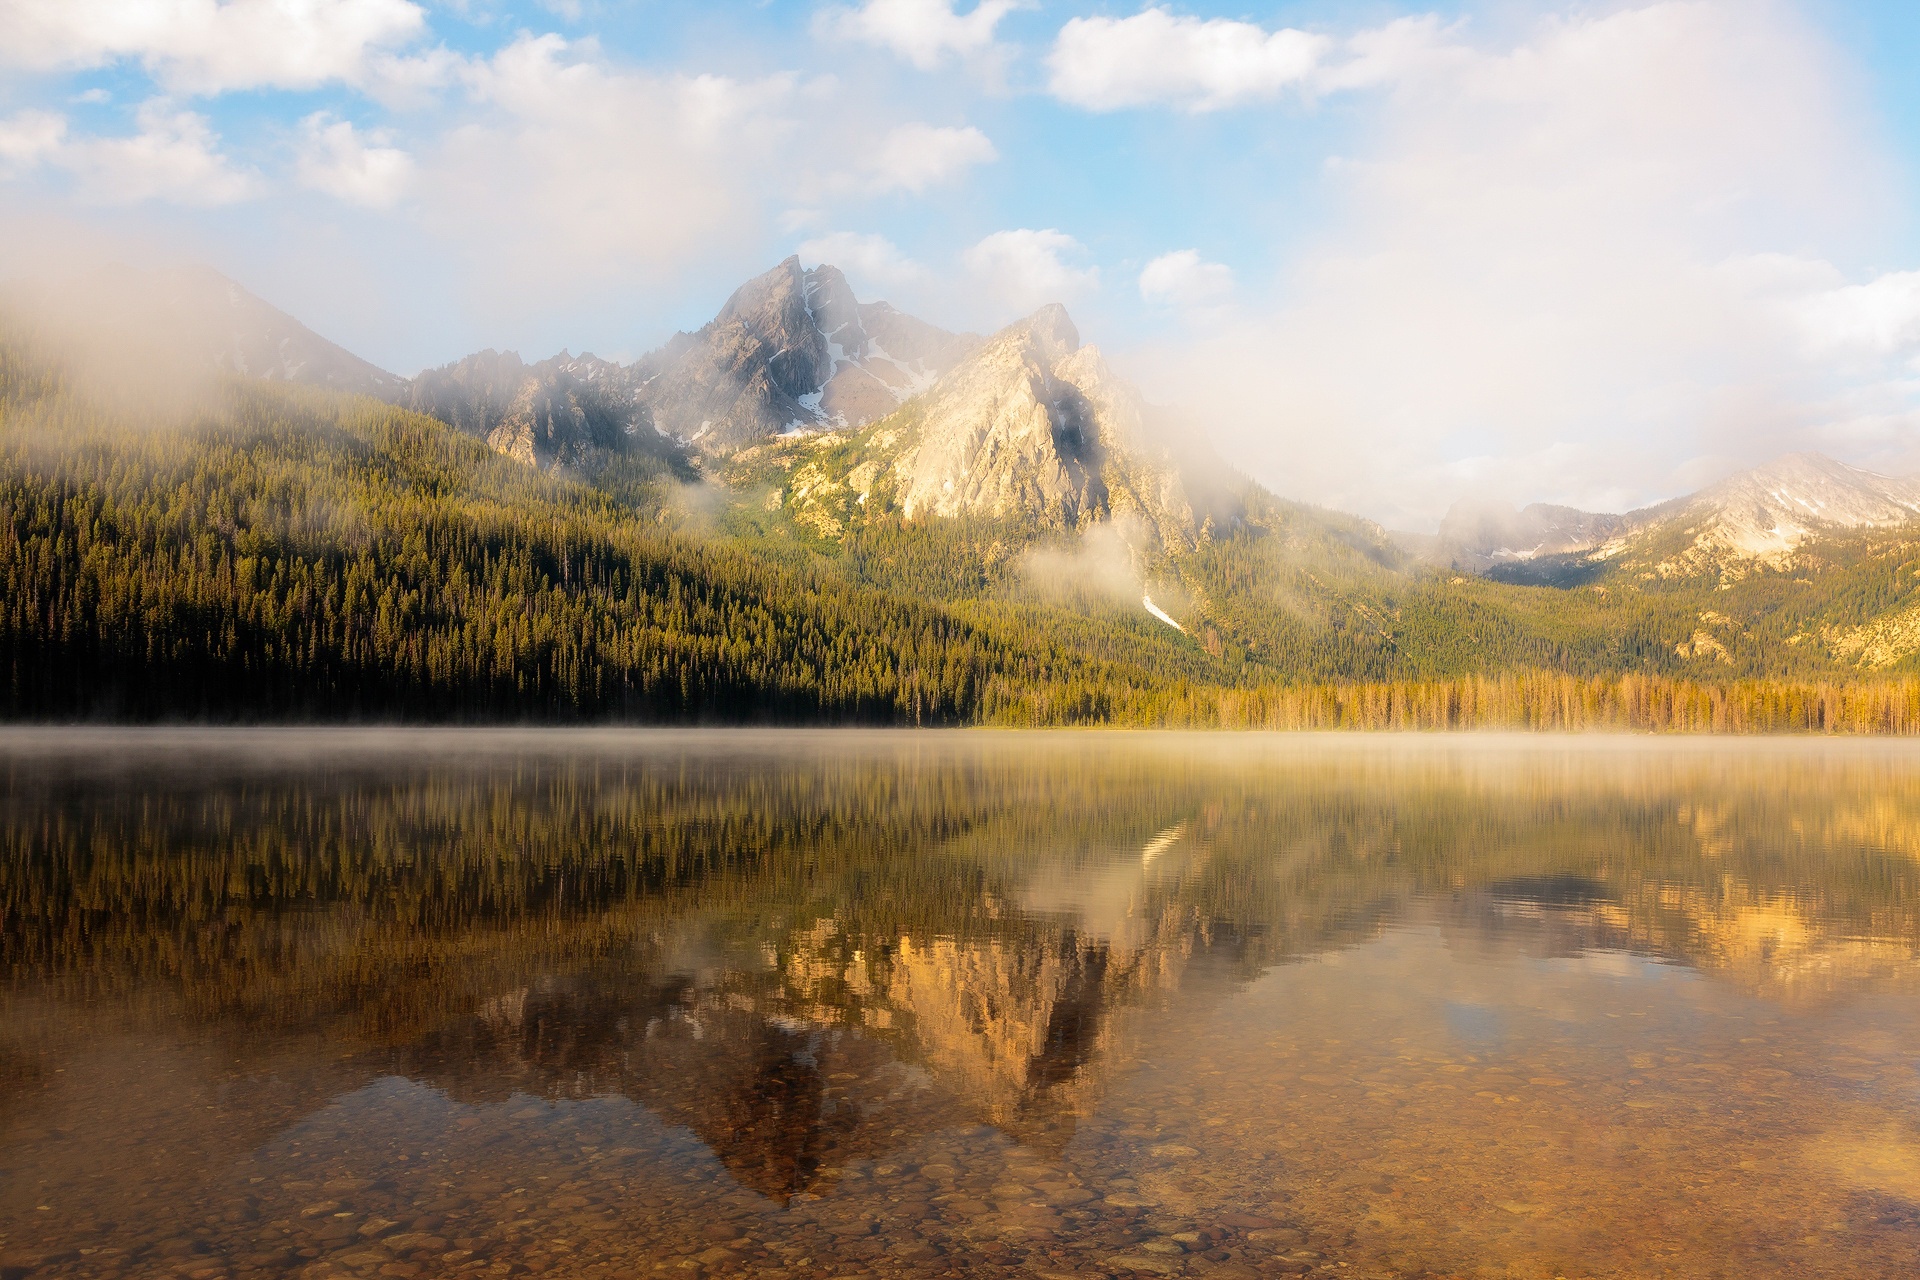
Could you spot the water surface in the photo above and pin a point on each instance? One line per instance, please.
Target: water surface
(490, 1004)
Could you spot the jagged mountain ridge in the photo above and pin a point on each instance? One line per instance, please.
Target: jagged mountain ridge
(793, 350)
(1482, 537)
(1032, 425)
(1756, 518)
(1029, 423)
(567, 411)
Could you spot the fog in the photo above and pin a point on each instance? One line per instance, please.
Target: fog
(1590, 254)
(1601, 266)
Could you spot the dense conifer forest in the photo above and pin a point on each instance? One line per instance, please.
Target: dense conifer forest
(277, 553)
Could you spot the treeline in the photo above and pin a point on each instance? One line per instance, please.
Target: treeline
(289, 554)
(1548, 700)
(299, 555)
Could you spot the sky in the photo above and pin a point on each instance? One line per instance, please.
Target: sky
(1386, 255)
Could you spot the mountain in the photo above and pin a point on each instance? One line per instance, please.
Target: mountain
(185, 319)
(1766, 514)
(1480, 538)
(1754, 519)
(1032, 426)
(793, 350)
(1003, 531)
(568, 411)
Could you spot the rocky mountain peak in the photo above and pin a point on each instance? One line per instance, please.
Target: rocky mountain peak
(1052, 331)
(794, 350)
(1036, 425)
(1765, 514)
(1757, 517)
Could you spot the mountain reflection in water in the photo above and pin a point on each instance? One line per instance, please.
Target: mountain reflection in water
(423, 1004)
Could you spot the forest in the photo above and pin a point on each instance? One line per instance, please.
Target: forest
(278, 553)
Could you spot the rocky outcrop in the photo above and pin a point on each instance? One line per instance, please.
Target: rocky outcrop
(577, 412)
(1752, 519)
(1036, 425)
(793, 350)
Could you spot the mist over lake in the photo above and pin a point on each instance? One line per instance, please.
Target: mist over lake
(365, 1003)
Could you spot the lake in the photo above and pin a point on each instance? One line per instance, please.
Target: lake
(494, 1003)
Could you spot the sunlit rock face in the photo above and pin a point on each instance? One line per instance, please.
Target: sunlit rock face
(1036, 425)
(1766, 513)
(1753, 519)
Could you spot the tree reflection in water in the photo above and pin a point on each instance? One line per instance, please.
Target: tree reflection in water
(817, 955)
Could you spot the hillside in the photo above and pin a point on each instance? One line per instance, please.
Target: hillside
(160, 325)
(1022, 540)
(288, 552)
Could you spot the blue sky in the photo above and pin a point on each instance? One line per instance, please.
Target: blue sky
(1386, 254)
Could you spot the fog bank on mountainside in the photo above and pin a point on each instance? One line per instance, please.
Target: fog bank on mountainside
(1015, 536)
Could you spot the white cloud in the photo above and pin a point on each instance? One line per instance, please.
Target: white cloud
(1023, 270)
(1106, 63)
(914, 157)
(1184, 279)
(1878, 318)
(1524, 263)
(573, 171)
(923, 32)
(1158, 57)
(175, 157)
(336, 159)
(211, 46)
(28, 138)
(866, 259)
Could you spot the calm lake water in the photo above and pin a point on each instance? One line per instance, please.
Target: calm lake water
(834, 1004)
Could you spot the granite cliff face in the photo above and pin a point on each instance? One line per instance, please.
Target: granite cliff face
(1032, 425)
(1036, 423)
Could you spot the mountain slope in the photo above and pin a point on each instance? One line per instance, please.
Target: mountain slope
(1751, 520)
(1032, 428)
(577, 412)
(792, 350)
(1764, 515)
(185, 320)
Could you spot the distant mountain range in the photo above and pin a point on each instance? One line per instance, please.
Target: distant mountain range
(1757, 518)
(1014, 484)
(1028, 422)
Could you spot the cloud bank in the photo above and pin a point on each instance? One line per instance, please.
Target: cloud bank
(1550, 272)
(925, 33)
(204, 46)
(1157, 57)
